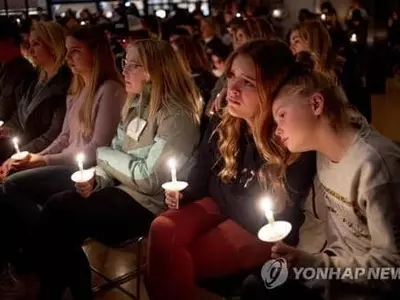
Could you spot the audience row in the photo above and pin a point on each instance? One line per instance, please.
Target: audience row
(281, 126)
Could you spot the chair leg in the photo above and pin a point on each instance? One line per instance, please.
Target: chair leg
(139, 268)
(117, 282)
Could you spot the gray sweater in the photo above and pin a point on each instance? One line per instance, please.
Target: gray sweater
(362, 195)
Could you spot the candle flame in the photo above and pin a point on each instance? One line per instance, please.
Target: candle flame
(266, 204)
(80, 158)
(172, 163)
(15, 140)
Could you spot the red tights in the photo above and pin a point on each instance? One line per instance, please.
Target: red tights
(196, 242)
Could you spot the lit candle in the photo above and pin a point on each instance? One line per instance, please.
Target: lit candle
(323, 17)
(353, 38)
(277, 13)
(80, 158)
(15, 141)
(172, 165)
(267, 205)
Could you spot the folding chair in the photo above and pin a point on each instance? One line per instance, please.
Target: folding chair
(136, 245)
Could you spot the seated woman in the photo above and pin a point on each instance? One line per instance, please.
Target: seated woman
(40, 112)
(214, 233)
(359, 171)
(95, 99)
(94, 105)
(160, 122)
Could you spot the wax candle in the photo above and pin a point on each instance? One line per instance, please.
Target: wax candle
(80, 158)
(267, 205)
(15, 142)
(172, 165)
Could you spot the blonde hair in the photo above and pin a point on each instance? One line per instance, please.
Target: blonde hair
(305, 82)
(320, 44)
(272, 60)
(52, 36)
(103, 69)
(171, 84)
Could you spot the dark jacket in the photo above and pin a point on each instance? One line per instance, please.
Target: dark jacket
(240, 199)
(15, 78)
(205, 82)
(41, 111)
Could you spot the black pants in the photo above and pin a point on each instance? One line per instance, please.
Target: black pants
(254, 289)
(109, 215)
(20, 196)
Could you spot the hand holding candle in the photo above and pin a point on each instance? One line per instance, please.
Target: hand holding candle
(174, 186)
(274, 231)
(18, 154)
(82, 175)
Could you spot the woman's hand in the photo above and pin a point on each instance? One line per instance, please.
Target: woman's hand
(289, 253)
(172, 199)
(85, 189)
(216, 105)
(10, 165)
(32, 161)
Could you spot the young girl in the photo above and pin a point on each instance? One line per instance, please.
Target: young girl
(160, 122)
(37, 120)
(94, 105)
(215, 233)
(359, 171)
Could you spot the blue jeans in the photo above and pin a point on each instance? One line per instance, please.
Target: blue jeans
(20, 197)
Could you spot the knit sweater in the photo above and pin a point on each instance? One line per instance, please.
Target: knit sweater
(137, 160)
(106, 114)
(362, 195)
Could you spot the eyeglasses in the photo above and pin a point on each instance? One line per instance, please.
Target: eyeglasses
(129, 65)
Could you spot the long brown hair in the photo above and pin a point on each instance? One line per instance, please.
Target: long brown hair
(273, 60)
(171, 84)
(320, 44)
(192, 54)
(103, 69)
